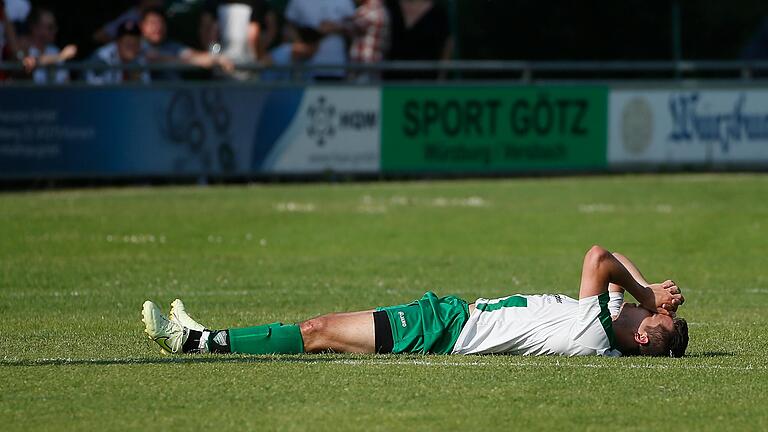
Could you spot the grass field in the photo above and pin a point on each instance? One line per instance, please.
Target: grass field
(75, 267)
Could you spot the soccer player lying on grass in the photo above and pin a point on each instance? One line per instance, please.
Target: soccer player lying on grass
(519, 324)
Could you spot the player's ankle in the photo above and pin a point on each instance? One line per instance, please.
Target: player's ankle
(207, 341)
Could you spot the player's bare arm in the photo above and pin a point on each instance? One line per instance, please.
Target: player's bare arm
(601, 269)
(632, 268)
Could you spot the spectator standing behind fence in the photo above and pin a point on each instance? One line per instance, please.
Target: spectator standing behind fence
(183, 20)
(244, 28)
(156, 47)
(757, 46)
(124, 51)
(368, 30)
(325, 17)
(420, 31)
(108, 32)
(42, 50)
(11, 13)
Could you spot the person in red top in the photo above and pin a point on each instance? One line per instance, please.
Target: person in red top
(368, 30)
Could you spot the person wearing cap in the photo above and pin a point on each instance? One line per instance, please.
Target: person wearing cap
(108, 32)
(125, 51)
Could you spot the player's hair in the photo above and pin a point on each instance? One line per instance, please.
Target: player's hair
(667, 343)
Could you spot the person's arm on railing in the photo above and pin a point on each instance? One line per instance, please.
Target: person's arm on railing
(206, 60)
(32, 62)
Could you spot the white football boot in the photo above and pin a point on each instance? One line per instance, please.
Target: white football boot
(179, 315)
(168, 334)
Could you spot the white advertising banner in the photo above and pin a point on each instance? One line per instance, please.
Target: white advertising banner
(333, 129)
(663, 127)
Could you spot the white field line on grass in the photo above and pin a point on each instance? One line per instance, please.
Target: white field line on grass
(557, 364)
(13, 361)
(104, 293)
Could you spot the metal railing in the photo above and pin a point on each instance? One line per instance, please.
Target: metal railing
(519, 70)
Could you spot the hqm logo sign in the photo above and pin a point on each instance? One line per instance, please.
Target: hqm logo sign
(326, 121)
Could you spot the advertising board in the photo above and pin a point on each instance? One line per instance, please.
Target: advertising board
(493, 129)
(663, 127)
(187, 130)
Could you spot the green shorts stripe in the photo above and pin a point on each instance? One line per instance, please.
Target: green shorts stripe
(429, 325)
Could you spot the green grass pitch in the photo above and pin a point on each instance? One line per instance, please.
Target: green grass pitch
(76, 265)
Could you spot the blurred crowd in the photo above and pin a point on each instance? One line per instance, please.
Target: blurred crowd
(220, 35)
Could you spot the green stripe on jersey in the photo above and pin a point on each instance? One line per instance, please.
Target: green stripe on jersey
(514, 301)
(605, 318)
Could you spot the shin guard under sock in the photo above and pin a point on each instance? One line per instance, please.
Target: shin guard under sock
(274, 338)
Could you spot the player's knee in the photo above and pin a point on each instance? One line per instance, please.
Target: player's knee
(596, 255)
(313, 328)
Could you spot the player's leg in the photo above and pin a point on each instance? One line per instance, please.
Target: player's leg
(339, 332)
(427, 325)
(351, 332)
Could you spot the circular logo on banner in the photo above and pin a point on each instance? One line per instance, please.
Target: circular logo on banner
(636, 125)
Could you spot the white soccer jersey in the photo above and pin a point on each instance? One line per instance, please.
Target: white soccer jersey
(539, 325)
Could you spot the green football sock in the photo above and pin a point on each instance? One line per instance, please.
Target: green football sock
(274, 338)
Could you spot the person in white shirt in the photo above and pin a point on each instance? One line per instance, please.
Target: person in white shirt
(125, 50)
(515, 325)
(242, 29)
(43, 52)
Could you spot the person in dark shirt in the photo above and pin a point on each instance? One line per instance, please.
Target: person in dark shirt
(156, 47)
(420, 31)
(108, 32)
(757, 46)
(183, 18)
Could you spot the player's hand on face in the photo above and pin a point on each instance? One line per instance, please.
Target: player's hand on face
(665, 299)
(672, 287)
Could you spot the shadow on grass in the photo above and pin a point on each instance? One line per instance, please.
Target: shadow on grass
(257, 359)
(173, 360)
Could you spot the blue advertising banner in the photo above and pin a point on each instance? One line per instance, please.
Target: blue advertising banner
(186, 130)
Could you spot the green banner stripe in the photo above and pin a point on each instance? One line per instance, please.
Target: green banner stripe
(605, 319)
(493, 128)
(514, 301)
